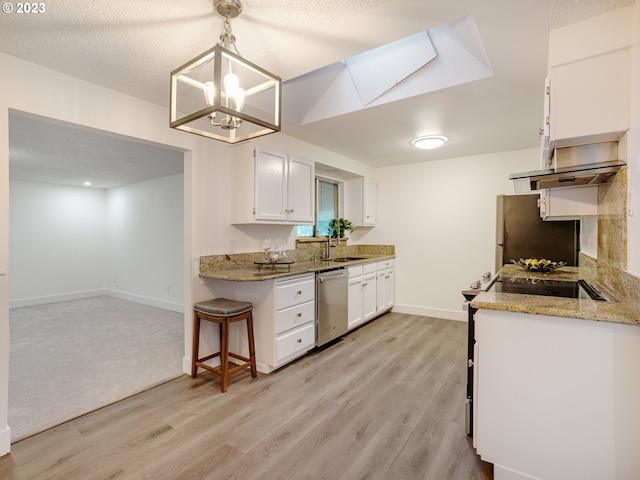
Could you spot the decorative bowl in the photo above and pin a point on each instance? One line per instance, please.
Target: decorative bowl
(541, 265)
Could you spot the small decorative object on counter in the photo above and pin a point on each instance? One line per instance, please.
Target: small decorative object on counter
(542, 265)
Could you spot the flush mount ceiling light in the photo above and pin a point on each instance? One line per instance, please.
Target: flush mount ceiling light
(221, 95)
(427, 143)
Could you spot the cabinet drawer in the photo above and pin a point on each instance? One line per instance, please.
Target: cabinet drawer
(355, 271)
(295, 316)
(296, 291)
(386, 264)
(298, 340)
(369, 268)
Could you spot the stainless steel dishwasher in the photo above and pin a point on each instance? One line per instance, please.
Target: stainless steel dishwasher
(332, 303)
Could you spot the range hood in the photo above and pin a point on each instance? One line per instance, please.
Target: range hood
(575, 166)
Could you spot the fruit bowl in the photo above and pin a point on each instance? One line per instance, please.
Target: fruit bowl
(541, 265)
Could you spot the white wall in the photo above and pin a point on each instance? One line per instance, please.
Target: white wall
(144, 242)
(73, 242)
(442, 221)
(57, 242)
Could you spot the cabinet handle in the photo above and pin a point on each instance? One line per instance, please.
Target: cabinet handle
(291, 211)
(299, 292)
(299, 340)
(364, 285)
(299, 315)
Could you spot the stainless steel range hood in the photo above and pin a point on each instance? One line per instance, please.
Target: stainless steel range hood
(575, 166)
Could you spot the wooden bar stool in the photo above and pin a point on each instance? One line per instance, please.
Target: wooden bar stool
(223, 312)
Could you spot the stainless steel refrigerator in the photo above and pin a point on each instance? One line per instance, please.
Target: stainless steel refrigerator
(521, 233)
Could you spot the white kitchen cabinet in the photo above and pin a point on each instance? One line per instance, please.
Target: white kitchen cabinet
(568, 203)
(362, 294)
(590, 79)
(271, 187)
(550, 408)
(361, 201)
(369, 291)
(283, 318)
(354, 308)
(590, 99)
(385, 286)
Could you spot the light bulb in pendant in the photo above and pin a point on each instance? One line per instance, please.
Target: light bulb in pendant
(209, 92)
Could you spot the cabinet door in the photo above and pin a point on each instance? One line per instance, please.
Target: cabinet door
(300, 196)
(355, 302)
(370, 187)
(568, 203)
(389, 289)
(380, 296)
(271, 190)
(369, 293)
(590, 98)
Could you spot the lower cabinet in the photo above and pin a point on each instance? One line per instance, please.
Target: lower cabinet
(385, 287)
(370, 291)
(545, 407)
(283, 318)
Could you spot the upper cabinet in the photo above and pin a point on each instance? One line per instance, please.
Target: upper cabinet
(361, 201)
(271, 187)
(588, 94)
(590, 99)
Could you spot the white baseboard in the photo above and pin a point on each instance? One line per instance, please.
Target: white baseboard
(152, 302)
(28, 302)
(5, 440)
(458, 315)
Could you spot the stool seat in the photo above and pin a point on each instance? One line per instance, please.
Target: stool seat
(223, 311)
(223, 307)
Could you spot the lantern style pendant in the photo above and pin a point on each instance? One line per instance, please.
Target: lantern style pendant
(221, 95)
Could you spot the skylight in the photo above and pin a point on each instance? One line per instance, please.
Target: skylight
(431, 60)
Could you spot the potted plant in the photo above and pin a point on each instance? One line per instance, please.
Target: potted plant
(338, 227)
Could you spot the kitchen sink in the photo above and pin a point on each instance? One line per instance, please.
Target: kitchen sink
(347, 259)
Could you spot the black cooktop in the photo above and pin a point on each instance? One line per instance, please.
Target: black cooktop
(536, 286)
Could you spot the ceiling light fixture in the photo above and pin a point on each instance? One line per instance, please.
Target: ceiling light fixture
(231, 99)
(87, 183)
(427, 143)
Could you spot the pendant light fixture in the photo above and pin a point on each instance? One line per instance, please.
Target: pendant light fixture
(221, 95)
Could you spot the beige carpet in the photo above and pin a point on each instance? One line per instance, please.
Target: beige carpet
(69, 358)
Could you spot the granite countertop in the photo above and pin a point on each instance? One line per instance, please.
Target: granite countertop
(251, 273)
(242, 267)
(617, 310)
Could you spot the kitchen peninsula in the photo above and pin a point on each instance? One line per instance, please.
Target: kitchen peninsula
(284, 294)
(555, 388)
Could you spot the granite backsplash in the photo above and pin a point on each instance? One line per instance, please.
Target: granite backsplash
(611, 264)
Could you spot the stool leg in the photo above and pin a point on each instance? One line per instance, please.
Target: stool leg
(195, 344)
(252, 348)
(224, 355)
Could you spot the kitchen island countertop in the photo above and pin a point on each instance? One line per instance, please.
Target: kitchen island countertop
(617, 310)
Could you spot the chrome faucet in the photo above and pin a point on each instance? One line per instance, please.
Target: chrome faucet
(331, 240)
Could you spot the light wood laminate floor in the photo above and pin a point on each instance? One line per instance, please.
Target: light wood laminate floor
(386, 402)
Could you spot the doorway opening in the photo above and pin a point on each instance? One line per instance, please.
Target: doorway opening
(93, 266)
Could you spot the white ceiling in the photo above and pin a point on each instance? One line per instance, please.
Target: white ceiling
(132, 47)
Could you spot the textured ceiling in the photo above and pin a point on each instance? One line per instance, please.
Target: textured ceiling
(132, 47)
(52, 152)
